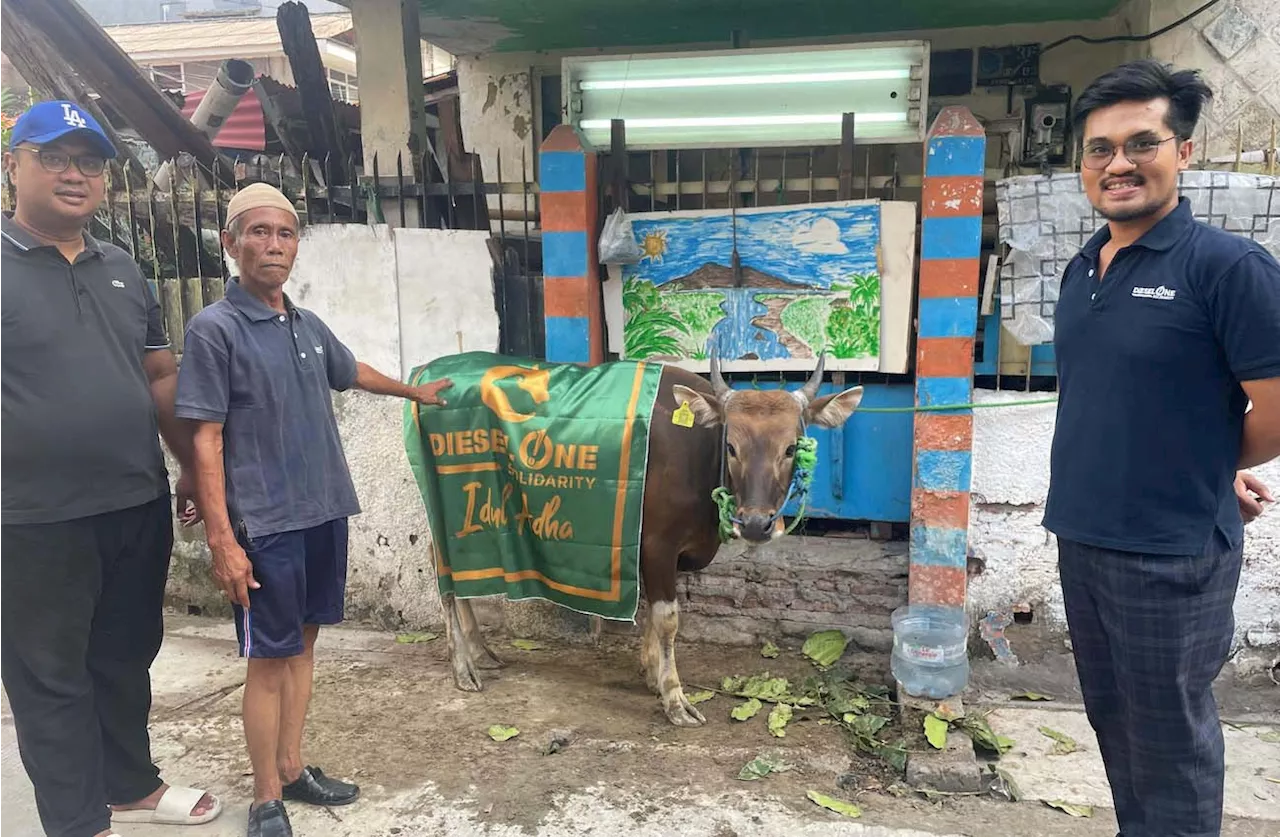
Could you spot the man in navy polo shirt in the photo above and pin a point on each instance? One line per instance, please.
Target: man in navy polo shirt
(87, 528)
(1167, 329)
(273, 485)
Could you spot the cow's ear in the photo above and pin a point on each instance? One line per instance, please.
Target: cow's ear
(706, 409)
(834, 410)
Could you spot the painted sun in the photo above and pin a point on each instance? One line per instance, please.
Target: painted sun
(654, 245)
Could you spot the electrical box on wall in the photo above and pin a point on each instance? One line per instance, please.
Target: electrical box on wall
(1047, 128)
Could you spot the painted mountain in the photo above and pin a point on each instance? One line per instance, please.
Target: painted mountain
(807, 279)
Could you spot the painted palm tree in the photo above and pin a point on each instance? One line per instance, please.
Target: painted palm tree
(649, 324)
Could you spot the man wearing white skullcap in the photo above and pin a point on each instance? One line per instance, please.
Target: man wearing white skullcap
(273, 486)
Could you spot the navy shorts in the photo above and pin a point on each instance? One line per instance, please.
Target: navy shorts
(303, 578)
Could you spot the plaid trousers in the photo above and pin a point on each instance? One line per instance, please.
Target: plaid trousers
(1150, 633)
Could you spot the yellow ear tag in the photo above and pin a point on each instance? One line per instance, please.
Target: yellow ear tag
(683, 416)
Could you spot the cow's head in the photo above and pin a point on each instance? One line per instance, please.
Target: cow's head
(760, 428)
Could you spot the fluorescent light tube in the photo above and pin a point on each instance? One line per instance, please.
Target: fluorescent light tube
(733, 81)
(733, 121)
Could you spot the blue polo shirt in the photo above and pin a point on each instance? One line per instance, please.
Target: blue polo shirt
(266, 377)
(1150, 410)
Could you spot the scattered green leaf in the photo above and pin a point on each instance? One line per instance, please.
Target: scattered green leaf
(765, 687)
(701, 697)
(526, 644)
(778, 719)
(935, 729)
(894, 755)
(825, 647)
(848, 809)
(867, 725)
(769, 651)
(1063, 743)
(411, 639)
(982, 734)
(1273, 781)
(1272, 737)
(1073, 810)
(747, 710)
(762, 766)
(1030, 696)
(949, 711)
(500, 733)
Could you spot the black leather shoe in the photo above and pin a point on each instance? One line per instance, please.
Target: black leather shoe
(313, 787)
(269, 819)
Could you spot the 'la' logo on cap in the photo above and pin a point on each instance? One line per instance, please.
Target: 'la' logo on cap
(72, 116)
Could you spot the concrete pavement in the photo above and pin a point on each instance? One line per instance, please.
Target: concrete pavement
(388, 713)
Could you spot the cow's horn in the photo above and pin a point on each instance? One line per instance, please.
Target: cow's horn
(810, 389)
(719, 387)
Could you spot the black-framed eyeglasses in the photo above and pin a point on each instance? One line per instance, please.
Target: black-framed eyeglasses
(56, 162)
(1137, 150)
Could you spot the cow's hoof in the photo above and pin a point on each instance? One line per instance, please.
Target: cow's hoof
(682, 713)
(466, 678)
(685, 717)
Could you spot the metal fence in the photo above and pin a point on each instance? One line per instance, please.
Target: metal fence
(173, 233)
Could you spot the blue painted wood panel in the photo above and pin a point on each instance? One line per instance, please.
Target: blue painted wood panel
(874, 459)
(956, 156)
(951, 237)
(568, 339)
(562, 171)
(564, 254)
(939, 546)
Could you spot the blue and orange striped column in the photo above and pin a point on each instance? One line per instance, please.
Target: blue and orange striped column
(571, 285)
(950, 246)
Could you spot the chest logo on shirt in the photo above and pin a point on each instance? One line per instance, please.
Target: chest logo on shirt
(116, 283)
(1154, 293)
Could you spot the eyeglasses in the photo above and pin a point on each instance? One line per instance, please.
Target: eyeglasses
(1138, 151)
(56, 162)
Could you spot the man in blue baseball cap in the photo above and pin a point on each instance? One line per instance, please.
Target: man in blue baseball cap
(86, 528)
(46, 122)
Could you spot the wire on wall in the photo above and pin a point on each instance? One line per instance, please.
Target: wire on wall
(1132, 38)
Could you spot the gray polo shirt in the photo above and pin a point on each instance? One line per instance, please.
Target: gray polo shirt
(266, 377)
(79, 434)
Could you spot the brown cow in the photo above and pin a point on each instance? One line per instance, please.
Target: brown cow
(744, 439)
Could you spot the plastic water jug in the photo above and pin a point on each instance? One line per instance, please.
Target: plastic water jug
(930, 658)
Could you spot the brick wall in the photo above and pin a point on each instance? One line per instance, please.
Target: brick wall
(796, 586)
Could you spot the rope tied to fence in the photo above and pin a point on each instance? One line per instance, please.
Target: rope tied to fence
(970, 405)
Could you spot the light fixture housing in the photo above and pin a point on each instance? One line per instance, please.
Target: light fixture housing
(751, 97)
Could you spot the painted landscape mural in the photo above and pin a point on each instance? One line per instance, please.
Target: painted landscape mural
(808, 280)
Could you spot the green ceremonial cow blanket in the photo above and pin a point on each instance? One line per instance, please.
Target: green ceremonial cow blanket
(533, 478)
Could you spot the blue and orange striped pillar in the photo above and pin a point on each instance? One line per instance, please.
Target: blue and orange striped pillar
(571, 285)
(947, 322)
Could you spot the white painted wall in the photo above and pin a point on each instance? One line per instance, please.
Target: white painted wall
(1010, 484)
(398, 298)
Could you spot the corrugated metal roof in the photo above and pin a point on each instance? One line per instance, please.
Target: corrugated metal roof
(245, 127)
(244, 36)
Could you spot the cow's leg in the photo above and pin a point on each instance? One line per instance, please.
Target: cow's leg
(481, 654)
(465, 674)
(649, 653)
(666, 622)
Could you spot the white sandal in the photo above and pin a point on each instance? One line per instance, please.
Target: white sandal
(174, 808)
